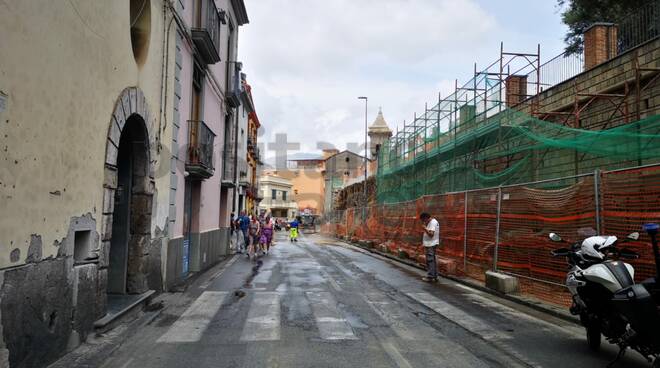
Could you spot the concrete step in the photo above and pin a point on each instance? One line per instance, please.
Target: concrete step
(122, 308)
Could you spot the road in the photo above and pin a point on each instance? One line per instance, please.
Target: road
(321, 303)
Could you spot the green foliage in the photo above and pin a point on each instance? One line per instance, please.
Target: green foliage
(578, 15)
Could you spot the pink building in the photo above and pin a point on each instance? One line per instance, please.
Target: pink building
(206, 111)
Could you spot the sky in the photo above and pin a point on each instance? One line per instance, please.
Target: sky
(308, 60)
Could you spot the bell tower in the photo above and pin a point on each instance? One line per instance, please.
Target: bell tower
(378, 132)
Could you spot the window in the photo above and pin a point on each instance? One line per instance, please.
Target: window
(81, 245)
(284, 195)
(273, 194)
(197, 84)
(140, 21)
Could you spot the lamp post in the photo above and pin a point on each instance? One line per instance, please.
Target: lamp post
(366, 99)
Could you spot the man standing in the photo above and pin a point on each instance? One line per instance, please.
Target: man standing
(430, 241)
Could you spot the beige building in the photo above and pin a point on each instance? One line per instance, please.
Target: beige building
(90, 134)
(307, 182)
(276, 193)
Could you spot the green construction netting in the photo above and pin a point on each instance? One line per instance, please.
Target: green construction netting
(509, 147)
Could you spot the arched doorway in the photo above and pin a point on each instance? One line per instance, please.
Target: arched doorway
(131, 220)
(128, 195)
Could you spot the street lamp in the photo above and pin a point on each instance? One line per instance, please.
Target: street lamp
(366, 99)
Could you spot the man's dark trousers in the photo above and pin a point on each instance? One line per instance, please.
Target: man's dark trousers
(431, 266)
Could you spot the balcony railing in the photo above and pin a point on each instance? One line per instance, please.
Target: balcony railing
(234, 78)
(206, 35)
(200, 150)
(242, 167)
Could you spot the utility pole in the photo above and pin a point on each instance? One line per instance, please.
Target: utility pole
(366, 99)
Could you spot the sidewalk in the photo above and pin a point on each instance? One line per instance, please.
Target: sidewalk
(527, 301)
(100, 346)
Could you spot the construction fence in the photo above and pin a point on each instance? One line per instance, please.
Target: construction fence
(506, 228)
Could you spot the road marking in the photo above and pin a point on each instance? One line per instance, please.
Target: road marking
(219, 273)
(194, 321)
(396, 356)
(128, 362)
(263, 320)
(459, 317)
(464, 287)
(516, 315)
(405, 326)
(331, 325)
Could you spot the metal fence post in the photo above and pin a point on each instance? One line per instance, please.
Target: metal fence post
(597, 198)
(497, 227)
(465, 227)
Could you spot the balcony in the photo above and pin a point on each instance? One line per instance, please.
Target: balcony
(234, 85)
(242, 167)
(199, 163)
(207, 35)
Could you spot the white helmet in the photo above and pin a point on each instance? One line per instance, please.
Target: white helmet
(594, 245)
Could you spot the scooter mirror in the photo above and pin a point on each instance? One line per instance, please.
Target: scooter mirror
(562, 252)
(628, 254)
(633, 236)
(555, 237)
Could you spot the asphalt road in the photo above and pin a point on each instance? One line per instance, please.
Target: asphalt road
(320, 303)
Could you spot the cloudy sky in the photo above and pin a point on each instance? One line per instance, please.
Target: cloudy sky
(308, 60)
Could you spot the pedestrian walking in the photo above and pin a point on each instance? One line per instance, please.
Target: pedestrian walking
(253, 236)
(267, 231)
(232, 229)
(293, 232)
(430, 241)
(243, 225)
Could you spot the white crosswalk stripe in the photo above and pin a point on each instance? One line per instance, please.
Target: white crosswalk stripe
(459, 317)
(331, 324)
(194, 321)
(399, 320)
(263, 320)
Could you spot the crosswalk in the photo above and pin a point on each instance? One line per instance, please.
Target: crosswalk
(194, 321)
(263, 321)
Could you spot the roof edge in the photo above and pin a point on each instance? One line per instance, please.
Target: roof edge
(240, 11)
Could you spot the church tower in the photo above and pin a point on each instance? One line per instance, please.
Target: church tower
(378, 132)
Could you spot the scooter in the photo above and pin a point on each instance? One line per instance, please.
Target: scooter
(606, 298)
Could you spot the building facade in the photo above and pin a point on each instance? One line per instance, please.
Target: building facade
(277, 200)
(307, 181)
(118, 163)
(253, 156)
(341, 169)
(207, 109)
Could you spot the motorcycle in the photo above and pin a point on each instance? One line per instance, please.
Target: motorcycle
(606, 298)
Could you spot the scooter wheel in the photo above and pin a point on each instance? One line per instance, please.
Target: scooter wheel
(593, 337)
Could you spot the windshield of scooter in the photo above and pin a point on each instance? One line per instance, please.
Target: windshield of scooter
(585, 232)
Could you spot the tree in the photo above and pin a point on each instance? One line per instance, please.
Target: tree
(578, 15)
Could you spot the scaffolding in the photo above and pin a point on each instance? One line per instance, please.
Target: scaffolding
(500, 127)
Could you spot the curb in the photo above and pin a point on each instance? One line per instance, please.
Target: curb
(530, 303)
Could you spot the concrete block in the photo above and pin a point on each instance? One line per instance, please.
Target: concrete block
(446, 266)
(500, 282)
(106, 227)
(110, 153)
(108, 200)
(120, 118)
(110, 177)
